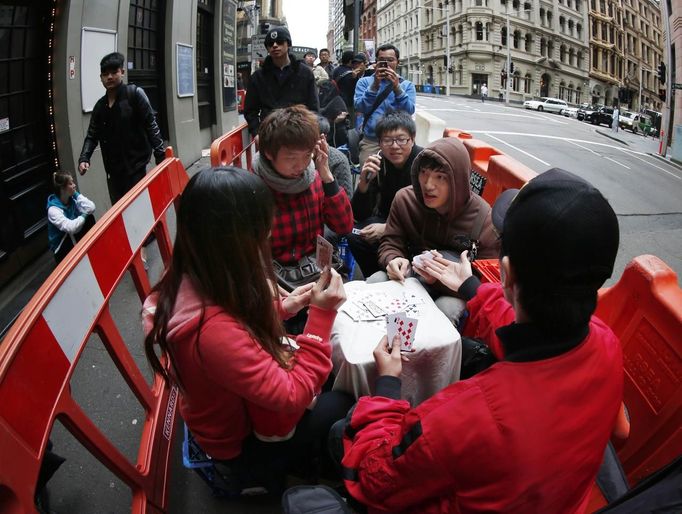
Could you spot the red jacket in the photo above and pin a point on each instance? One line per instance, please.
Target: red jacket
(231, 386)
(521, 437)
(300, 218)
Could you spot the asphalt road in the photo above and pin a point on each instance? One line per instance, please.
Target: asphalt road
(645, 192)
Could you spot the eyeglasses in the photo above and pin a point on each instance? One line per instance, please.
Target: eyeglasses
(388, 141)
(279, 42)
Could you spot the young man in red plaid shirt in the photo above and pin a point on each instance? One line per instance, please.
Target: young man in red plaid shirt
(293, 162)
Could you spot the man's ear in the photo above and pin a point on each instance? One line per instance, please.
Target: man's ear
(508, 279)
(123, 71)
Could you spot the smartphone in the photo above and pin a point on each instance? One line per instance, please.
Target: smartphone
(371, 174)
(382, 64)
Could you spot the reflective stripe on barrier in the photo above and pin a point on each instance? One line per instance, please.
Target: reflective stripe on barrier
(234, 148)
(40, 352)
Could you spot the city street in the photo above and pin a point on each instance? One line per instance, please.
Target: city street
(645, 192)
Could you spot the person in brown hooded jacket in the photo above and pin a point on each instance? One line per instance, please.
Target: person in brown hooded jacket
(437, 212)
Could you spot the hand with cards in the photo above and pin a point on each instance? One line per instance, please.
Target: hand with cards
(418, 265)
(328, 292)
(388, 357)
(449, 273)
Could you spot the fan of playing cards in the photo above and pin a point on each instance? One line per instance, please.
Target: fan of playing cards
(399, 324)
(375, 306)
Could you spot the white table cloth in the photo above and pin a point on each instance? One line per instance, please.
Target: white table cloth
(434, 364)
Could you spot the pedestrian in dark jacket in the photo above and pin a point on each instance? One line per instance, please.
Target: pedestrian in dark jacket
(124, 125)
(281, 82)
(333, 108)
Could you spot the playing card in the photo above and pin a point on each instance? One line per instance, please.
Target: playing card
(424, 256)
(407, 330)
(323, 255)
(393, 322)
(374, 309)
(356, 231)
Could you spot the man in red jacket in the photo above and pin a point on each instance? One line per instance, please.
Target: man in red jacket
(527, 434)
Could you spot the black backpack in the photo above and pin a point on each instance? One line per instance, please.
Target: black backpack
(317, 499)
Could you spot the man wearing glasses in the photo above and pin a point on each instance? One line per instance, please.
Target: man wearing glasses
(382, 175)
(382, 91)
(282, 81)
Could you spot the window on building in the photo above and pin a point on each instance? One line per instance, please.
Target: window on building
(562, 90)
(571, 57)
(487, 31)
(562, 53)
(503, 36)
(515, 5)
(517, 38)
(595, 58)
(479, 31)
(515, 80)
(577, 5)
(549, 17)
(550, 48)
(529, 42)
(542, 15)
(526, 84)
(562, 24)
(543, 47)
(579, 30)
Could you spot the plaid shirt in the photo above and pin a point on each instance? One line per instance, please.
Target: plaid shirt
(300, 218)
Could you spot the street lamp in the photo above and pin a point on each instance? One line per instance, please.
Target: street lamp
(447, 42)
(509, 38)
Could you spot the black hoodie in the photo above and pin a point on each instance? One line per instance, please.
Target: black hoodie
(266, 92)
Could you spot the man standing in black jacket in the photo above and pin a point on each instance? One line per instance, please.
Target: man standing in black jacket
(281, 82)
(124, 125)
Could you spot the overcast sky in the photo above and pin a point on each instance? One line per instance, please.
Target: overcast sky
(307, 20)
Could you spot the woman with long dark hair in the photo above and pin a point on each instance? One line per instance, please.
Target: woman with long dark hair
(251, 400)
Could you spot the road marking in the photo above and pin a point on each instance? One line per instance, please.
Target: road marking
(599, 155)
(517, 149)
(513, 115)
(652, 164)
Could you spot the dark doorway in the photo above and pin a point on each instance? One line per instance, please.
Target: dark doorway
(544, 85)
(145, 54)
(26, 160)
(205, 95)
(477, 80)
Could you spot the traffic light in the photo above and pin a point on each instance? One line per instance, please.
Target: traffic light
(661, 73)
(511, 67)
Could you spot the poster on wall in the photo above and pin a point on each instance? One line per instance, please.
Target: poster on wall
(95, 44)
(185, 63)
(228, 55)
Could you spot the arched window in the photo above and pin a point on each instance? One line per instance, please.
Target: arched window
(562, 23)
(562, 90)
(549, 17)
(515, 80)
(503, 37)
(527, 84)
(517, 38)
(562, 53)
(579, 60)
(578, 93)
(550, 49)
(577, 5)
(543, 47)
(579, 30)
(529, 42)
(542, 15)
(570, 27)
(515, 5)
(571, 57)
(570, 92)
(479, 31)
(487, 31)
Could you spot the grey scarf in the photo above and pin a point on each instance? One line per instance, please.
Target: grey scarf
(263, 168)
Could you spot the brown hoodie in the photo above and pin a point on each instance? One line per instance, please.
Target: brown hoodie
(412, 227)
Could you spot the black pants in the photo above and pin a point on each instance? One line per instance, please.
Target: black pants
(120, 185)
(67, 244)
(267, 464)
(366, 254)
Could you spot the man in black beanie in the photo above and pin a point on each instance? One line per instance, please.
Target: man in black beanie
(281, 82)
(528, 434)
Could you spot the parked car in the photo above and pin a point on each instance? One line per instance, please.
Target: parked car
(546, 104)
(602, 116)
(570, 112)
(630, 121)
(585, 109)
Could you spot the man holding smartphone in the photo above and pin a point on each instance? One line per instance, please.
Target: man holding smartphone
(382, 91)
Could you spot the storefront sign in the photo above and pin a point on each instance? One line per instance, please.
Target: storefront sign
(228, 55)
(185, 64)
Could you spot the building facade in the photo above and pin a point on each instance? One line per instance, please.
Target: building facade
(547, 41)
(183, 53)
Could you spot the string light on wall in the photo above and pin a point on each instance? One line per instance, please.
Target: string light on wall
(50, 95)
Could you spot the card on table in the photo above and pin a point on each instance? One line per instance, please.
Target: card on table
(323, 255)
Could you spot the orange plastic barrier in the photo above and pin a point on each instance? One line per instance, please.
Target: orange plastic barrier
(644, 309)
(450, 132)
(41, 351)
(234, 148)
